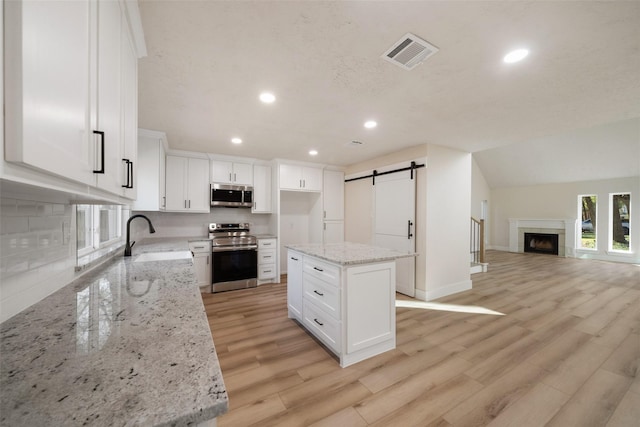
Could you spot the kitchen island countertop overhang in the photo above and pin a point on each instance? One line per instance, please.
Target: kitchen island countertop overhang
(349, 253)
(127, 343)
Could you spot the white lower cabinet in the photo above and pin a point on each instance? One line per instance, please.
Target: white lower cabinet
(350, 308)
(266, 260)
(294, 284)
(201, 251)
(322, 325)
(333, 232)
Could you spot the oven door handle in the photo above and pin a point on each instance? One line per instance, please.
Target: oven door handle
(235, 248)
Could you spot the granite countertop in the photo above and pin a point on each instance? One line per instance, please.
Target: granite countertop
(348, 253)
(265, 236)
(126, 344)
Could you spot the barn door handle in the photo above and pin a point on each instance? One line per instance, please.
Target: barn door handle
(409, 224)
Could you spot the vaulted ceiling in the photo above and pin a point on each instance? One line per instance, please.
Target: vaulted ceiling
(209, 60)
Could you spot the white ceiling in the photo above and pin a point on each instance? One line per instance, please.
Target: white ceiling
(589, 154)
(209, 60)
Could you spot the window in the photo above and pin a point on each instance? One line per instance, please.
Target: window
(620, 224)
(588, 207)
(97, 226)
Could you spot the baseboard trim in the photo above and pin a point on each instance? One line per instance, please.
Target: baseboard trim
(444, 291)
(499, 248)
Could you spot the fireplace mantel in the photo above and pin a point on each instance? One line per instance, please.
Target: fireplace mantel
(565, 228)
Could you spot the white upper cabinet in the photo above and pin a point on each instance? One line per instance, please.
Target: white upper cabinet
(129, 67)
(333, 195)
(47, 87)
(71, 91)
(109, 93)
(187, 184)
(301, 178)
(262, 201)
(223, 172)
(150, 177)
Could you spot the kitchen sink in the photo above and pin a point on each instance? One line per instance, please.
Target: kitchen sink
(163, 256)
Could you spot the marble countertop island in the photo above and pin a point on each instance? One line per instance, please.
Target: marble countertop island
(126, 344)
(348, 253)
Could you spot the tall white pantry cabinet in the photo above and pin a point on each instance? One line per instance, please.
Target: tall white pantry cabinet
(71, 91)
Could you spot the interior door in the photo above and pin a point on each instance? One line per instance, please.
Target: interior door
(394, 223)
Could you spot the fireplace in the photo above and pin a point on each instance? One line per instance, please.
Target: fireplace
(564, 228)
(541, 243)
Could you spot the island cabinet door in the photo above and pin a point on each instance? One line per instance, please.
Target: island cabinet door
(370, 305)
(294, 284)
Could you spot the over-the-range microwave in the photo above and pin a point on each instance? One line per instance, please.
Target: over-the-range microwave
(231, 196)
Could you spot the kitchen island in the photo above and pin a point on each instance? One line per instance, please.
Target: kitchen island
(126, 344)
(344, 294)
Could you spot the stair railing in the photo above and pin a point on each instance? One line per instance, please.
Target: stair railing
(477, 241)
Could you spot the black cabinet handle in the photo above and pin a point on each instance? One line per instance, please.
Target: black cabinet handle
(316, 320)
(129, 183)
(319, 293)
(295, 259)
(409, 224)
(317, 269)
(131, 166)
(101, 170)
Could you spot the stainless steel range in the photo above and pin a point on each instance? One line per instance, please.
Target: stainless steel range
(234, 257)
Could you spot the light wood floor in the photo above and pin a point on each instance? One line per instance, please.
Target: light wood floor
(566, 352)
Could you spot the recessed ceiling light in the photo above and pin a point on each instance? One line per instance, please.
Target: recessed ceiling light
(370, 124)
(236, 140)
(313, 152)
(515, 56)
(267, 97)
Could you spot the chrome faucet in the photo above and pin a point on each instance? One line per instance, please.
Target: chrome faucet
(127, 249)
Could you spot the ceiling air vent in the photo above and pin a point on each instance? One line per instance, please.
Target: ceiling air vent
(409, 51)
(355, 144)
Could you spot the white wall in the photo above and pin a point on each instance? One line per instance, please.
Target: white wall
(480, 191)
(442, 215)
(447, 218)
(560, 201)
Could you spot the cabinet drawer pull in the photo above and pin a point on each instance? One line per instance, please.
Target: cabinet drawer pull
(198, 247)
(317, 269)
(316, 320)
(295, 259)
(319, 293)
(267, 256)
(267, 271)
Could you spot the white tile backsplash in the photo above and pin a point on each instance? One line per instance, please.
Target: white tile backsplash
(169, 224)
(37, 252)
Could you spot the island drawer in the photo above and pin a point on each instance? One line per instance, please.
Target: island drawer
(322, 270)
(322, 325)
(325, 296)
